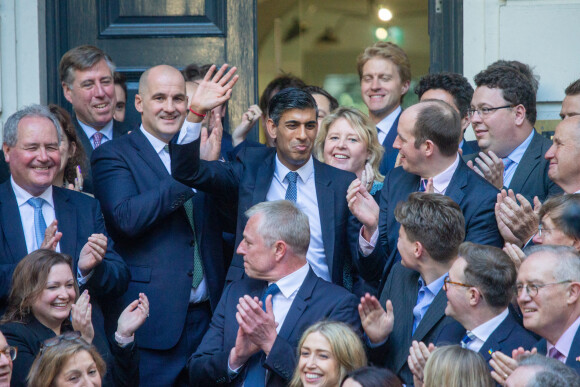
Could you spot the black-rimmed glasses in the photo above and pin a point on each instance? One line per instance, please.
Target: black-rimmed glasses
(484, 111)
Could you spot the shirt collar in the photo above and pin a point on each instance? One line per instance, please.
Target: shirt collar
(435, 286)
(157, 144)
(441, 181)
(387, 123)
(305, 171)
(291, 283)
(22, 195)
(483, 331)
(518, 153)
(565, 341)
(107, 130)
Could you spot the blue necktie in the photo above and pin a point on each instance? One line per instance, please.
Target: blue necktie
(39, 223)
(506, 163)
(418, 309)
(468, 338)
(256, 375)
(423, 185)
(292, 190)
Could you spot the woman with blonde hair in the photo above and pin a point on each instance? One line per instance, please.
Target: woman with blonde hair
(453, 366)
(65, 361)
(327, 352)
(348, 140)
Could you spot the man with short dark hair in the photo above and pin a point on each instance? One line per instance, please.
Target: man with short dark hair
(87, 79)
(325, 102)
(384, 71)
(280, 297)
(432, 228)
(454, 89)
(428, 139)
(503, 114)
(286, 172)
(571, 102)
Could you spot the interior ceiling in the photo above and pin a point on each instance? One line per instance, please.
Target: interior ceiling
(268, 10)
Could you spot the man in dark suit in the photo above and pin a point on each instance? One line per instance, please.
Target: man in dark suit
(454, 89)
(254, 341)
(31, 142)
(385, 76)
(86, 75)
(479, 290)
(503, 114)
(428, 138)
(171, 244)
(265, 174)
(432, 228)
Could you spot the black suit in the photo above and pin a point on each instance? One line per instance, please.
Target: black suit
(402, 288)
(29, 336)
(119, 128)
(241, 184)
(316, 300)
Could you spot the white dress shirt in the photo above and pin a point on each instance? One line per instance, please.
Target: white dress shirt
(483, 331)
(201, 293)
(107, 132)
(289, 286)
(307, 201)
(440, 184)
(386, 124)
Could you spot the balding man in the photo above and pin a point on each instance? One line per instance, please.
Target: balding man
(173, 252)
(428, 141)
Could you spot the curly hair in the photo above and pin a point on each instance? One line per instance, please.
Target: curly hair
(455, 84)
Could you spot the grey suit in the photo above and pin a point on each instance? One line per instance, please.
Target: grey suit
(401, 288)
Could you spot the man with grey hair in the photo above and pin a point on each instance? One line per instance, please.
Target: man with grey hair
(34, 214)
(540, 371)
(86, 75)
(277, 300)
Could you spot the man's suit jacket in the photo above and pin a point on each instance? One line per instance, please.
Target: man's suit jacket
(79, 216)
(316, 300)
(531, 176)
(144, 213)
(4, 169)
(509, 335)
(390, 155)
(475, 196)
(241, 184)
(119, 128)
(573, 359)
(402, 288)
(29, 337)
(469, 147)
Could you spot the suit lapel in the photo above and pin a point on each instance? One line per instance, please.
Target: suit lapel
(497, 337)
(11, 223)
(84, 139)
(573, 359)
(455, 189)
(66, 214)
(146, 151)
(325, 198)
(264, 177)
(532, 156)
(298, 306)
(435, 313)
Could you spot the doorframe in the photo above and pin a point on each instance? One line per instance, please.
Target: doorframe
(446, 36)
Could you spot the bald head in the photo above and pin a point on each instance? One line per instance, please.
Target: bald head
(439, 122)
(155, 72)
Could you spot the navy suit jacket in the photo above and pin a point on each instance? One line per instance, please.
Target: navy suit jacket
(316, 300)
(78, 216)
(119, 128)
(402, 288)
(143, 210)
(246, 181)
(573, 356)
(509, 335)
(475, 196)
(469, 147)
(4, 169)
(531, 176)
(390, 155)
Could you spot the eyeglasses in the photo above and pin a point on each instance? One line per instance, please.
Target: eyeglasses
(533, 289)
(10, 352)
(541, 229)
(484, 111)
(447, 281)
(68, 336)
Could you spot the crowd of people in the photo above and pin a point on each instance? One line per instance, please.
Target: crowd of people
(351, 249)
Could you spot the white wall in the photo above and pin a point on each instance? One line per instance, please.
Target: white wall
(22, 55)
(541, 33)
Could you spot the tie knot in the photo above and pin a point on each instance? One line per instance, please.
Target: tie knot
(272, 289)
(36, 202)
(468, 338)
(507, 162)
(423, 185)
(97, 138)
(292, 177)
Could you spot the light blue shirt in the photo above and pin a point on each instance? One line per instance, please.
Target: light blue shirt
(107, 132)
(386, 124)
(427, 294)
(306, 201)
(516, 157)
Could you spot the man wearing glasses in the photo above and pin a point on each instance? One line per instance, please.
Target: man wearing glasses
(7, 356)
(503, 114)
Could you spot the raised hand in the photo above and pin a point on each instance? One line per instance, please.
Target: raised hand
(258, 325)
(211, 143)
(249, 119)
(212, 91)
(522, 220)
(364, 207)
(490, 167)
(51, 236)
(377, 322)
(92, 253)
(133, 316)
(418, 355)
(81, 317)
